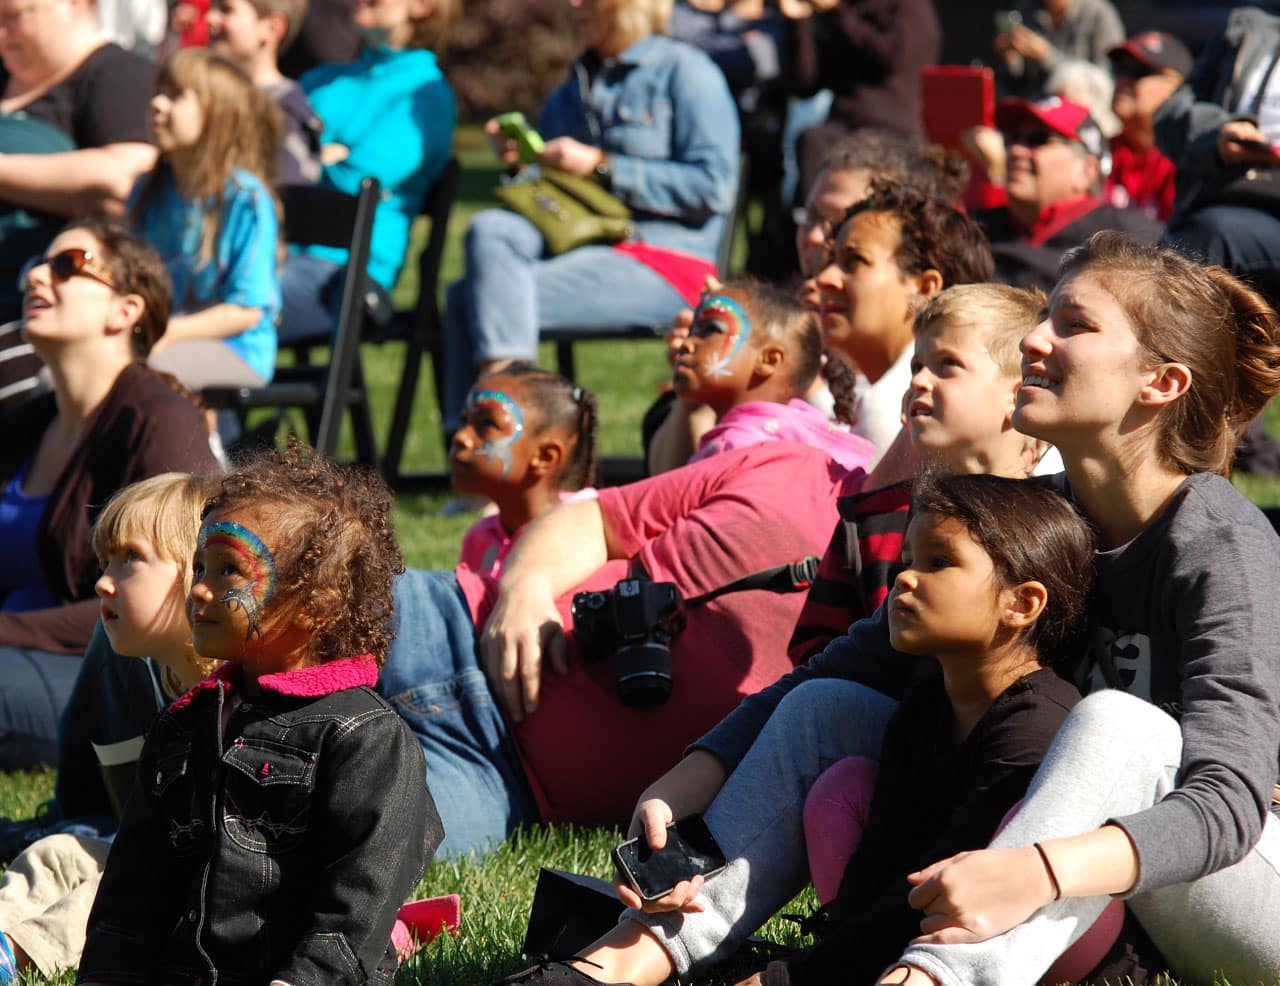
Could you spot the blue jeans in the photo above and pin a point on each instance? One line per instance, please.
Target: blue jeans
(34, 689)
(1243, 240)
(758, 816)
(310, 290)
(510, 290)
(434, 682)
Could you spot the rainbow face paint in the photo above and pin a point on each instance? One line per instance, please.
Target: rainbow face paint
(252, 597)
(732, 321)
(509, 417)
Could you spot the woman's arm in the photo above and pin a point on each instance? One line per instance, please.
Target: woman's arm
(219, 321)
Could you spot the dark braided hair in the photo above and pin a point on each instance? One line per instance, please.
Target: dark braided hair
(841, 381)
(563, 404)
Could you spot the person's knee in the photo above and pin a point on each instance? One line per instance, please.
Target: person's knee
(829, 707)
(1114, 718)
(496, 230)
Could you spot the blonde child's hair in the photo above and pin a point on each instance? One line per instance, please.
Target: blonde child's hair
(1006, 313)
(293, 11)
(165, 511)
(242, 129)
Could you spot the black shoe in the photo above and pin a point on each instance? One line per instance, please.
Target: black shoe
(553, 973)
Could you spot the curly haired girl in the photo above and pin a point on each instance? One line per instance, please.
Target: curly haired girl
(253, 849)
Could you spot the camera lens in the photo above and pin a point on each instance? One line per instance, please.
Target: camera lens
(643, 673)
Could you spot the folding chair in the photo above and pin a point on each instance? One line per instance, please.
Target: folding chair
(422, 328)
(315, 215)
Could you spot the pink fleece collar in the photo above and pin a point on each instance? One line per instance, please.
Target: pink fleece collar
(309, 682)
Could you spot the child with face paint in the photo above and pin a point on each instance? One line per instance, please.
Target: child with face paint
(527, 442)
(281, 814)
(751, 354)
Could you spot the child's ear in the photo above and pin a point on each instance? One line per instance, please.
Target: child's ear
(278, 24)
(1022, 604)
(548, 456)
(769, 359)
(929, 283)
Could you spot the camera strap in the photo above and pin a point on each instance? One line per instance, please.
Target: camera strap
(793, 577)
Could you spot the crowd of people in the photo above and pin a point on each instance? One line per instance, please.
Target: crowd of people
(936, 594)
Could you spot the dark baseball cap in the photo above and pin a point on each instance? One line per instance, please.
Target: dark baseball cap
(1156, 50)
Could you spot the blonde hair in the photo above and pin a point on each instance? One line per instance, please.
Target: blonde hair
(165, 511)
(1005, 313)
(636, 19)
(242, 130)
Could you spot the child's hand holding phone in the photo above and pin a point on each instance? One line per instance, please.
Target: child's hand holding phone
(664, 870)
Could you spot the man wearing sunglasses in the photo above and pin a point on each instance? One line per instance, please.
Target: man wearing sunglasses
(1057, 159)
(1147, 69)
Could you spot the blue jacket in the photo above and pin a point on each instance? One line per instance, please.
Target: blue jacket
(663, 112)
(278, 846)
(394, 112)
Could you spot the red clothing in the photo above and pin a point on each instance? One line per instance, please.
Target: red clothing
(860, 564)
(487, 542)
(587, 756)
(1141, 179)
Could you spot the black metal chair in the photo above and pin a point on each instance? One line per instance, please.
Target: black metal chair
(423, 330)
(315, 215)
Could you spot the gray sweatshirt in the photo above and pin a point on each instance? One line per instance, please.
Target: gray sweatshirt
(1198, 589)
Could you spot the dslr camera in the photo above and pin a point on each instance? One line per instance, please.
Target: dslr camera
(634, 621)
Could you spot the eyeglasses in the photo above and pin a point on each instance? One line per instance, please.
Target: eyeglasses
(66, 264)
(805, 219)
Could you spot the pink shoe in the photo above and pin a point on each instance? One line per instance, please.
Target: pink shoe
(419, 921)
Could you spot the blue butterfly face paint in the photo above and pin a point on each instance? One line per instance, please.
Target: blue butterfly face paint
(722, 314)
(509, 421)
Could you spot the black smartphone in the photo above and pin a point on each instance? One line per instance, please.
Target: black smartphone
(1256, 145)
(690, 850)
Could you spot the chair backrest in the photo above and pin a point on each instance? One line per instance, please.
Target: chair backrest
(724, 250)
(315, 215)
(436, 207)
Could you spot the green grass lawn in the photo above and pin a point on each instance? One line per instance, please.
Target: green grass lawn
(497, 890)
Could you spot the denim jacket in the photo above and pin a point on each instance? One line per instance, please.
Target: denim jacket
(278, 847)
(663, 112)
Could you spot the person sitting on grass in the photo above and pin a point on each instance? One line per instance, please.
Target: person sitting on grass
(1143, 376)
(527, 442)
(283, 774)
(143, 539)
(750, 355)
(965, 375)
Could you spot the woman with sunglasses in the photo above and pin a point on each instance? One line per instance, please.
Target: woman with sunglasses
(93, 307)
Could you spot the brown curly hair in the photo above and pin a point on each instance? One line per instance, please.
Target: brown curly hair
(334, 548)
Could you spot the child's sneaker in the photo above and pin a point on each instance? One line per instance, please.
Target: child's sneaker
(419, 921)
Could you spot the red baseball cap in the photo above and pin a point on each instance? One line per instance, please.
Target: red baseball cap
(1158, 50)
(1062, 116)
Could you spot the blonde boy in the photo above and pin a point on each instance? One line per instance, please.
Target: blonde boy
(144, 539)
(965, 375)
(251, 34)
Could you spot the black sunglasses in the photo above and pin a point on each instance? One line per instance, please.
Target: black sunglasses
(66, 264)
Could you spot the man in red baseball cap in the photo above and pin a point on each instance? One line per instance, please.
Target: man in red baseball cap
(1057, 159)
(1147, 68)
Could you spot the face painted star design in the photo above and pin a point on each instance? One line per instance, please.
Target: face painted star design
(728, 313)
(508, 414)
(253, 596)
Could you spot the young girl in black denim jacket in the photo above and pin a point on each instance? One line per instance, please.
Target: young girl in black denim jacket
(281, 815)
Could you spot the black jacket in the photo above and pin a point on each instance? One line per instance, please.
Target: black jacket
(279, 848)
